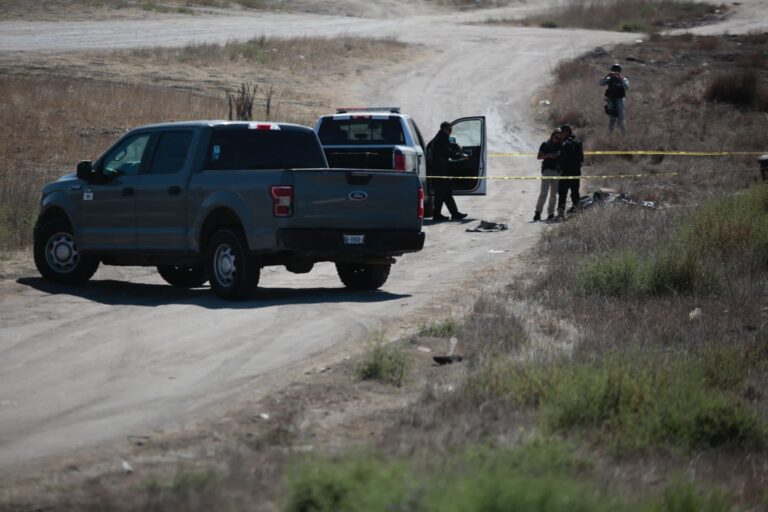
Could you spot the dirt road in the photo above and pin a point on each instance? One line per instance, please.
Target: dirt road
(128, 354)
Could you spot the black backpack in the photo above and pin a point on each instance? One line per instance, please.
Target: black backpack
(615, 88)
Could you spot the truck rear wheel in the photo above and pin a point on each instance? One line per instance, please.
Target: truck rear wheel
(57, 257)
(183, 277)
(232, 271)
(362, 276)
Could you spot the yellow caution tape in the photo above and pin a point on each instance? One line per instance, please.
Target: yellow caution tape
(648, 153)
(611, 176)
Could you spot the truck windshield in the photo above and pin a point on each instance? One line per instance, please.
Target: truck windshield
(241, 149)
(361, 132)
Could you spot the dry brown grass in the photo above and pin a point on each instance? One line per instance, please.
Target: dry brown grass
(623, 15)
(49, 124)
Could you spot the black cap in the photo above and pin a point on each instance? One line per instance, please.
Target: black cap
(616, 67)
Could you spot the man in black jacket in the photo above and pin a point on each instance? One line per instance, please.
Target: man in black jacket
(569, 162)
(439, 156)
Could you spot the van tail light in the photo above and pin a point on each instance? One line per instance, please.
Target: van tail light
(282, 200)
(399, 161)
(420, 208)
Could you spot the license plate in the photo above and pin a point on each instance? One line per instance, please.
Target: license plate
(354, 239)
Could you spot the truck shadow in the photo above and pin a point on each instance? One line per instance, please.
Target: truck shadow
(122, 293)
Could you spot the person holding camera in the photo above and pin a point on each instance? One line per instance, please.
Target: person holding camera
(616, 87)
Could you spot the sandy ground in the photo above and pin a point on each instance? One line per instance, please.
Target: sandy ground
(128, 355)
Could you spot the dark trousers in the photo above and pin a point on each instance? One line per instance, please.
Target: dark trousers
(562, 193)
(444, 194)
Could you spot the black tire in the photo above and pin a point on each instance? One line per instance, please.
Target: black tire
(56, 255)
(183, 277)
(361, 276)
(231, 270)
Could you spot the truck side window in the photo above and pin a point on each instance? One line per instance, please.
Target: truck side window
(243, 149)
(171, 152)
(127, 157)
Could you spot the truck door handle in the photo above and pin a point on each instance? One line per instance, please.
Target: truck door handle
(174, 190)
(127, 191)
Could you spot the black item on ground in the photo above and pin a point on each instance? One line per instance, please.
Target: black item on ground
(488, 227)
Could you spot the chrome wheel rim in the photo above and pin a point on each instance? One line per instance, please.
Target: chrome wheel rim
(224, 265)
(61, 253)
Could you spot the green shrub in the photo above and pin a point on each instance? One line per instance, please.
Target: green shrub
(640, 401)
(351, 484)
(615, 275)
(682, 496)
(536, 476)
(442, 329)
(633, 401)
(676, 270)
(385, 363)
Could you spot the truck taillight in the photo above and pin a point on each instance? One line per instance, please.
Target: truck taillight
(282, 200)
(399, 161)
(420, 208)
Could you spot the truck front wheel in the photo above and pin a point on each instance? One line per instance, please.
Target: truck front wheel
(232, 271)
(57, 257)
(362, 276)
(183, 277)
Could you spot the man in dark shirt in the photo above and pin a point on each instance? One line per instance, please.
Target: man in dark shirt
(440, 155)
(570, 160)
(548, 153)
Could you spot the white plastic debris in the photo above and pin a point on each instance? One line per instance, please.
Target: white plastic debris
(424, 349)
(264, 416)
(126, 467)
(695, 314)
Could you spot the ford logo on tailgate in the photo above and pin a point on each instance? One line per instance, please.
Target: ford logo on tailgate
(358, 195)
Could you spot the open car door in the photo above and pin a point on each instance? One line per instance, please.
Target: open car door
(470, 134)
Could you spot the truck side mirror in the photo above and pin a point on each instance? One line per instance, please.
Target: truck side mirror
(85, 171)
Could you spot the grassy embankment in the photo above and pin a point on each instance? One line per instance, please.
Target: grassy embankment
(51, 120)
(661, 401)
(621, 15)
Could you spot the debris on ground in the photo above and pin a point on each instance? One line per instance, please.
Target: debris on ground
(451, 357)
(487, 227)
(126, 466)
(602, 197)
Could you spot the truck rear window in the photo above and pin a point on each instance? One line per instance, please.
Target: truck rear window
(361, 132)
(242, 149)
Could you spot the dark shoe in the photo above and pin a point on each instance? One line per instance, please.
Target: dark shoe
(439, 218)
(572, 209)
(458, 216)
(551, 216)
(536, 216)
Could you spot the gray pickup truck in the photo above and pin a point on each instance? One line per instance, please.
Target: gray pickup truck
(217, 201)
(385, 138)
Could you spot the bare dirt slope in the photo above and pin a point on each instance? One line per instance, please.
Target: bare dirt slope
(128, 354)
